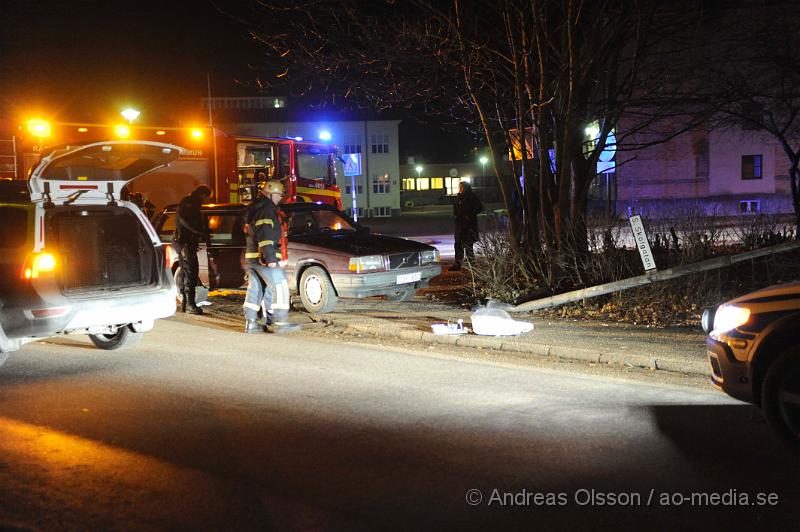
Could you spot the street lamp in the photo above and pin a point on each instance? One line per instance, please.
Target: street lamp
(483, 161)
(130, 114)
(419, 172)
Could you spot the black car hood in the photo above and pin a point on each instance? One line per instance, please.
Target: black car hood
(360, 243)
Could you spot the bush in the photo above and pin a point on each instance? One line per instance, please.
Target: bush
(503, 273)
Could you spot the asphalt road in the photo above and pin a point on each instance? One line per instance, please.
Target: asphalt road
(208, 428)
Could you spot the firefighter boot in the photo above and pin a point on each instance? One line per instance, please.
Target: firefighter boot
(191, 304)
(183, 300)
(281, 322)
(253, 327)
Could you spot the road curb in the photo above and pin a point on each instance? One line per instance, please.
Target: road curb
(517, 345)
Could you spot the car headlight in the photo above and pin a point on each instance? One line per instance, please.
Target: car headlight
(370, 263)
(429, 256)
(729, 317)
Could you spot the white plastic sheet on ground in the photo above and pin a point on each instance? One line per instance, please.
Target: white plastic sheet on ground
(497, 322)
(449, 328)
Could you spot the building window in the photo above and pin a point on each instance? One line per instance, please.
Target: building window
(380, 143)
(437, 182)
(382, 211)
(359, 189)
(408, 183)
(352, 143)
(751, 167)
(750, 206)
(381, 184)
(423, 183)
(349, 211)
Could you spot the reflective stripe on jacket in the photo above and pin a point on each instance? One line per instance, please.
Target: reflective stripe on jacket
(266, 232)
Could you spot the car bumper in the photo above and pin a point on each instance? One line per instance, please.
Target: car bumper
(383, 283)
(87, 314)
(730, 375)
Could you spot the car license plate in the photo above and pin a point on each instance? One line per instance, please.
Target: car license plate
(409, 277)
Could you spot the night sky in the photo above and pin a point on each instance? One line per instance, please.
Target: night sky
(85, 60)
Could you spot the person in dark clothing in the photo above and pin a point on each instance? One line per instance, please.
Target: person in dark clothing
(266, 255)
(465, 209)
(190, 230)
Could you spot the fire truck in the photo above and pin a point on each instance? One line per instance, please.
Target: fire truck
(231, 165)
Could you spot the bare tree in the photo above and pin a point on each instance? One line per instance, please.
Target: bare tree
(548, 68)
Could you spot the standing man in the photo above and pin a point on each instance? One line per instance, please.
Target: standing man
(190, 229)
(266, 259)
(466, 210)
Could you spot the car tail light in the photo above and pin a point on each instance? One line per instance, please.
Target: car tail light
(37, 264)
(170, 255)
(54, 312)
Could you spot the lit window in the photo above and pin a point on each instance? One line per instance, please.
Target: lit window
(437, 182)
(381, 184)
(751, 167)
(408, 184)
(750, 206)
(423, 183)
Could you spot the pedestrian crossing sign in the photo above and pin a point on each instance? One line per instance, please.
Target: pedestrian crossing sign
(352, 164)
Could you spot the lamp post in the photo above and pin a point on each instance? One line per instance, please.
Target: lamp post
(419, 174)
(483, 161)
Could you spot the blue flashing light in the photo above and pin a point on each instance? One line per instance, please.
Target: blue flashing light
(318, 202)
(298, 138)
(325, 135)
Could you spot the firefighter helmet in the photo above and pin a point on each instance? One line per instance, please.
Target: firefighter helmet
(272, 186)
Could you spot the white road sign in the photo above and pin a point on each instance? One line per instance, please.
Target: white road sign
(352, 164)
(640, 237)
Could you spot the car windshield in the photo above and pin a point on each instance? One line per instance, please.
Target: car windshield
(313, 162)
(318, 221)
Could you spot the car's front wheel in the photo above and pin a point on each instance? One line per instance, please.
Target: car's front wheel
(316, 291)
(780, 396)
(124, 337)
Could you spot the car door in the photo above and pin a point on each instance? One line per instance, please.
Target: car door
(226, 247)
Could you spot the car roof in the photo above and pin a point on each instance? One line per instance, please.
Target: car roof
(287, 207)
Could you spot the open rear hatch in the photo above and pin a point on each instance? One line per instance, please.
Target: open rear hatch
(95, 172)
(100, 244)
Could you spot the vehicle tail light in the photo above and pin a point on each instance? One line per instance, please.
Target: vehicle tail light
(37, 264)
(53, 312)
(170, 255)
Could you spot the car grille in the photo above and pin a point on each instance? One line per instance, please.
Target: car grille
(403, 260)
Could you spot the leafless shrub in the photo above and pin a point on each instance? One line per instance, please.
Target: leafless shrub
(761, 230)
(686, 234)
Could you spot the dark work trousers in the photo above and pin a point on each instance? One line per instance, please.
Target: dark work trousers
(187, 280)
(464, 246)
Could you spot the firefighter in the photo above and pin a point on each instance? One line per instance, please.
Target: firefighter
(267, 256)
(190, 230)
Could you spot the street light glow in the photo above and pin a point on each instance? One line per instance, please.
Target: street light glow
(484, 159)
(39, 128)
(130, 114)
(122, 132)
(325, 135)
